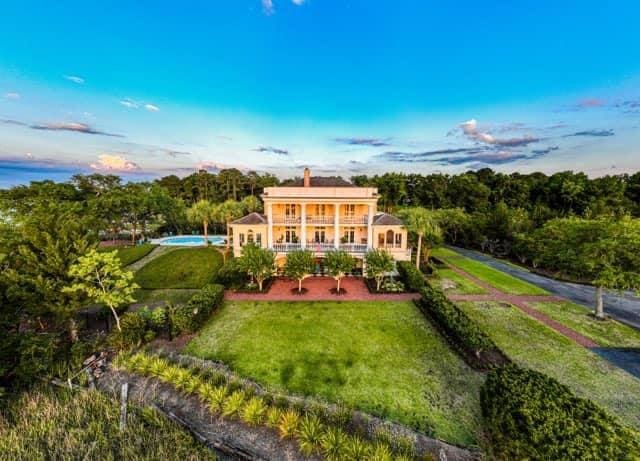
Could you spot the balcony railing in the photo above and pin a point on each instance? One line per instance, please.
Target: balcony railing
(354, 247)
(286, 247)
(283, 219)
(391, 246)
(320, 247)
(354, 219)
(321, 220)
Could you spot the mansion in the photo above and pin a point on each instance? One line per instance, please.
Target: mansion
(321, 214)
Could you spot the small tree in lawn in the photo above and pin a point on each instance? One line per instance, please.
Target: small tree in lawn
(424, 224)
(258, 262)
(339, 263)
(100, 277)
(300, 264)
(378, 262)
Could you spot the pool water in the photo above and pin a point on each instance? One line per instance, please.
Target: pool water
(191, 240)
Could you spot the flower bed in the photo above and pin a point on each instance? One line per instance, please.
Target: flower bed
(388, 287)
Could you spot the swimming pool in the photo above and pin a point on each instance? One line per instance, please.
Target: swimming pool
(190, 240)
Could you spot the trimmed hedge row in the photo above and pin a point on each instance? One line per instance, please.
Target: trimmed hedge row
(532, 416)
(144, 325)
(413, 278)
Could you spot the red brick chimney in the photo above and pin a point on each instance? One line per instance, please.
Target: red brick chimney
(307, 177)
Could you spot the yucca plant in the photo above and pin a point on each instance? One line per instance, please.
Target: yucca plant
(334, 444)
(254, 411)
(192, 385)
(273, 416)
(157, 366)
(310, 433)
(403, 457)
(288, 424)
(357, 449)
(233, 404)
(170, 374)
(216, 398)
(182, 378)
(381, 452)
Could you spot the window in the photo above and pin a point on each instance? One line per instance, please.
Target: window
(321, 210)
(320, 235)
(259, 239)
(249, 236)
(290, 210)
(350, 210)
(241, 239)
(398, 240)
(380, 240)
(350, 235)
(290, 235)
(389, 238)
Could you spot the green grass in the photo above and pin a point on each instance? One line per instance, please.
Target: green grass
(609, 333)
(463, 285)
(497, 279)
(380, 357)
(174, 296)
(44, 424)
(532, 344)
(181, 268)
(130, 254)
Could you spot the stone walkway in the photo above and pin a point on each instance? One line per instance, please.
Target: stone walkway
(318, 289)
(522, 303)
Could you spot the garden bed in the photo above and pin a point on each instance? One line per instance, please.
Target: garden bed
(371, 286)
(266, 286)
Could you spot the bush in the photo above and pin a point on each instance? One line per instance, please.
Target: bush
(413, 279)
(455, 323)
(232, 275)
(191, 316)
(134, 328)
(532, 416)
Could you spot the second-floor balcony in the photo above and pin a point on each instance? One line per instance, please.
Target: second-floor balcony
(286, 247)
(354, 247)
(286, 219)
(362, 219)
(320, 220)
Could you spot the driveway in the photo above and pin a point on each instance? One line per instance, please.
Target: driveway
(623, 307)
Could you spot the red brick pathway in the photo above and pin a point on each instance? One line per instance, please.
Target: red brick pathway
(521, 302)
(319, 290)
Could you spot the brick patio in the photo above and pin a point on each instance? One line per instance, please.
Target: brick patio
(319, 290)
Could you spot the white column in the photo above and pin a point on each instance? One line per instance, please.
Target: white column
(269, 225)
(303, 225)
(370, 226)
(336, 225)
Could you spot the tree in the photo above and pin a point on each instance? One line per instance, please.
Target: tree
(604, 251)
(101, 278)
(422, 223)
(300, 264)
(202, 212)
(251, 204)
(339, 263)
(453, 222)
(258, 262)
(227, 212)
(378, 262)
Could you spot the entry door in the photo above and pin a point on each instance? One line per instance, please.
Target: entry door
(290, 236)
(320, 235)
(350, 235)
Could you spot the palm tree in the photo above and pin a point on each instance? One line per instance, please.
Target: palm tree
(202, 212)
(422, 223)
(226, 212)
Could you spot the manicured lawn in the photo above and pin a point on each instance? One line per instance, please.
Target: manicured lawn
(129, 255)
(534, 345)
(607, 334)
(493, 277)
(463, 286)
(381, 357)
(174, 296)
(181, 268)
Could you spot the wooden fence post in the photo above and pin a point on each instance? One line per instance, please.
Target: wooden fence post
(124, 394)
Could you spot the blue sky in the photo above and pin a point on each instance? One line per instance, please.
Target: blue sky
(146, 88)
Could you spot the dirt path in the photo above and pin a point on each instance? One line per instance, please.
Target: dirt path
(522, 303)
(156, 252)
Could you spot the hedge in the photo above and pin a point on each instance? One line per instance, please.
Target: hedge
(144, 325)
(529, 415)
(412, 278)
(232, 275)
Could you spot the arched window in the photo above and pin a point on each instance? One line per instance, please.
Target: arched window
(249, 236)
(389, 238)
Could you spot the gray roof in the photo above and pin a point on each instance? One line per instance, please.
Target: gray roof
(385, 219)
(319, 181)
(251, 218)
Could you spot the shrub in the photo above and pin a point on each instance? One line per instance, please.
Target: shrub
(310, 434)
(217, 398)
(381, 452)
(357, 449)
(288, 424)
(191, 316)
(455, 323)
(392, 286)
(334, 444)
(233, 404)
(532, 416)
(232, 274)
(273, 416)
(253, 412)
(413, 279)
(133, 328)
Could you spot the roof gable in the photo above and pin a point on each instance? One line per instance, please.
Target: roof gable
(251, 219)
(385, 219)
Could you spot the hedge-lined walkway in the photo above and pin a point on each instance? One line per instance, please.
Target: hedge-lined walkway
(319, 289)
(521, 302)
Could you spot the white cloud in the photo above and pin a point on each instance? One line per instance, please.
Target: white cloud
(12, 95)
(131, 104)
(297, 2)
(151, 107)
(470, 130)
(75, 79)
(267, 6)
(114, 163)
